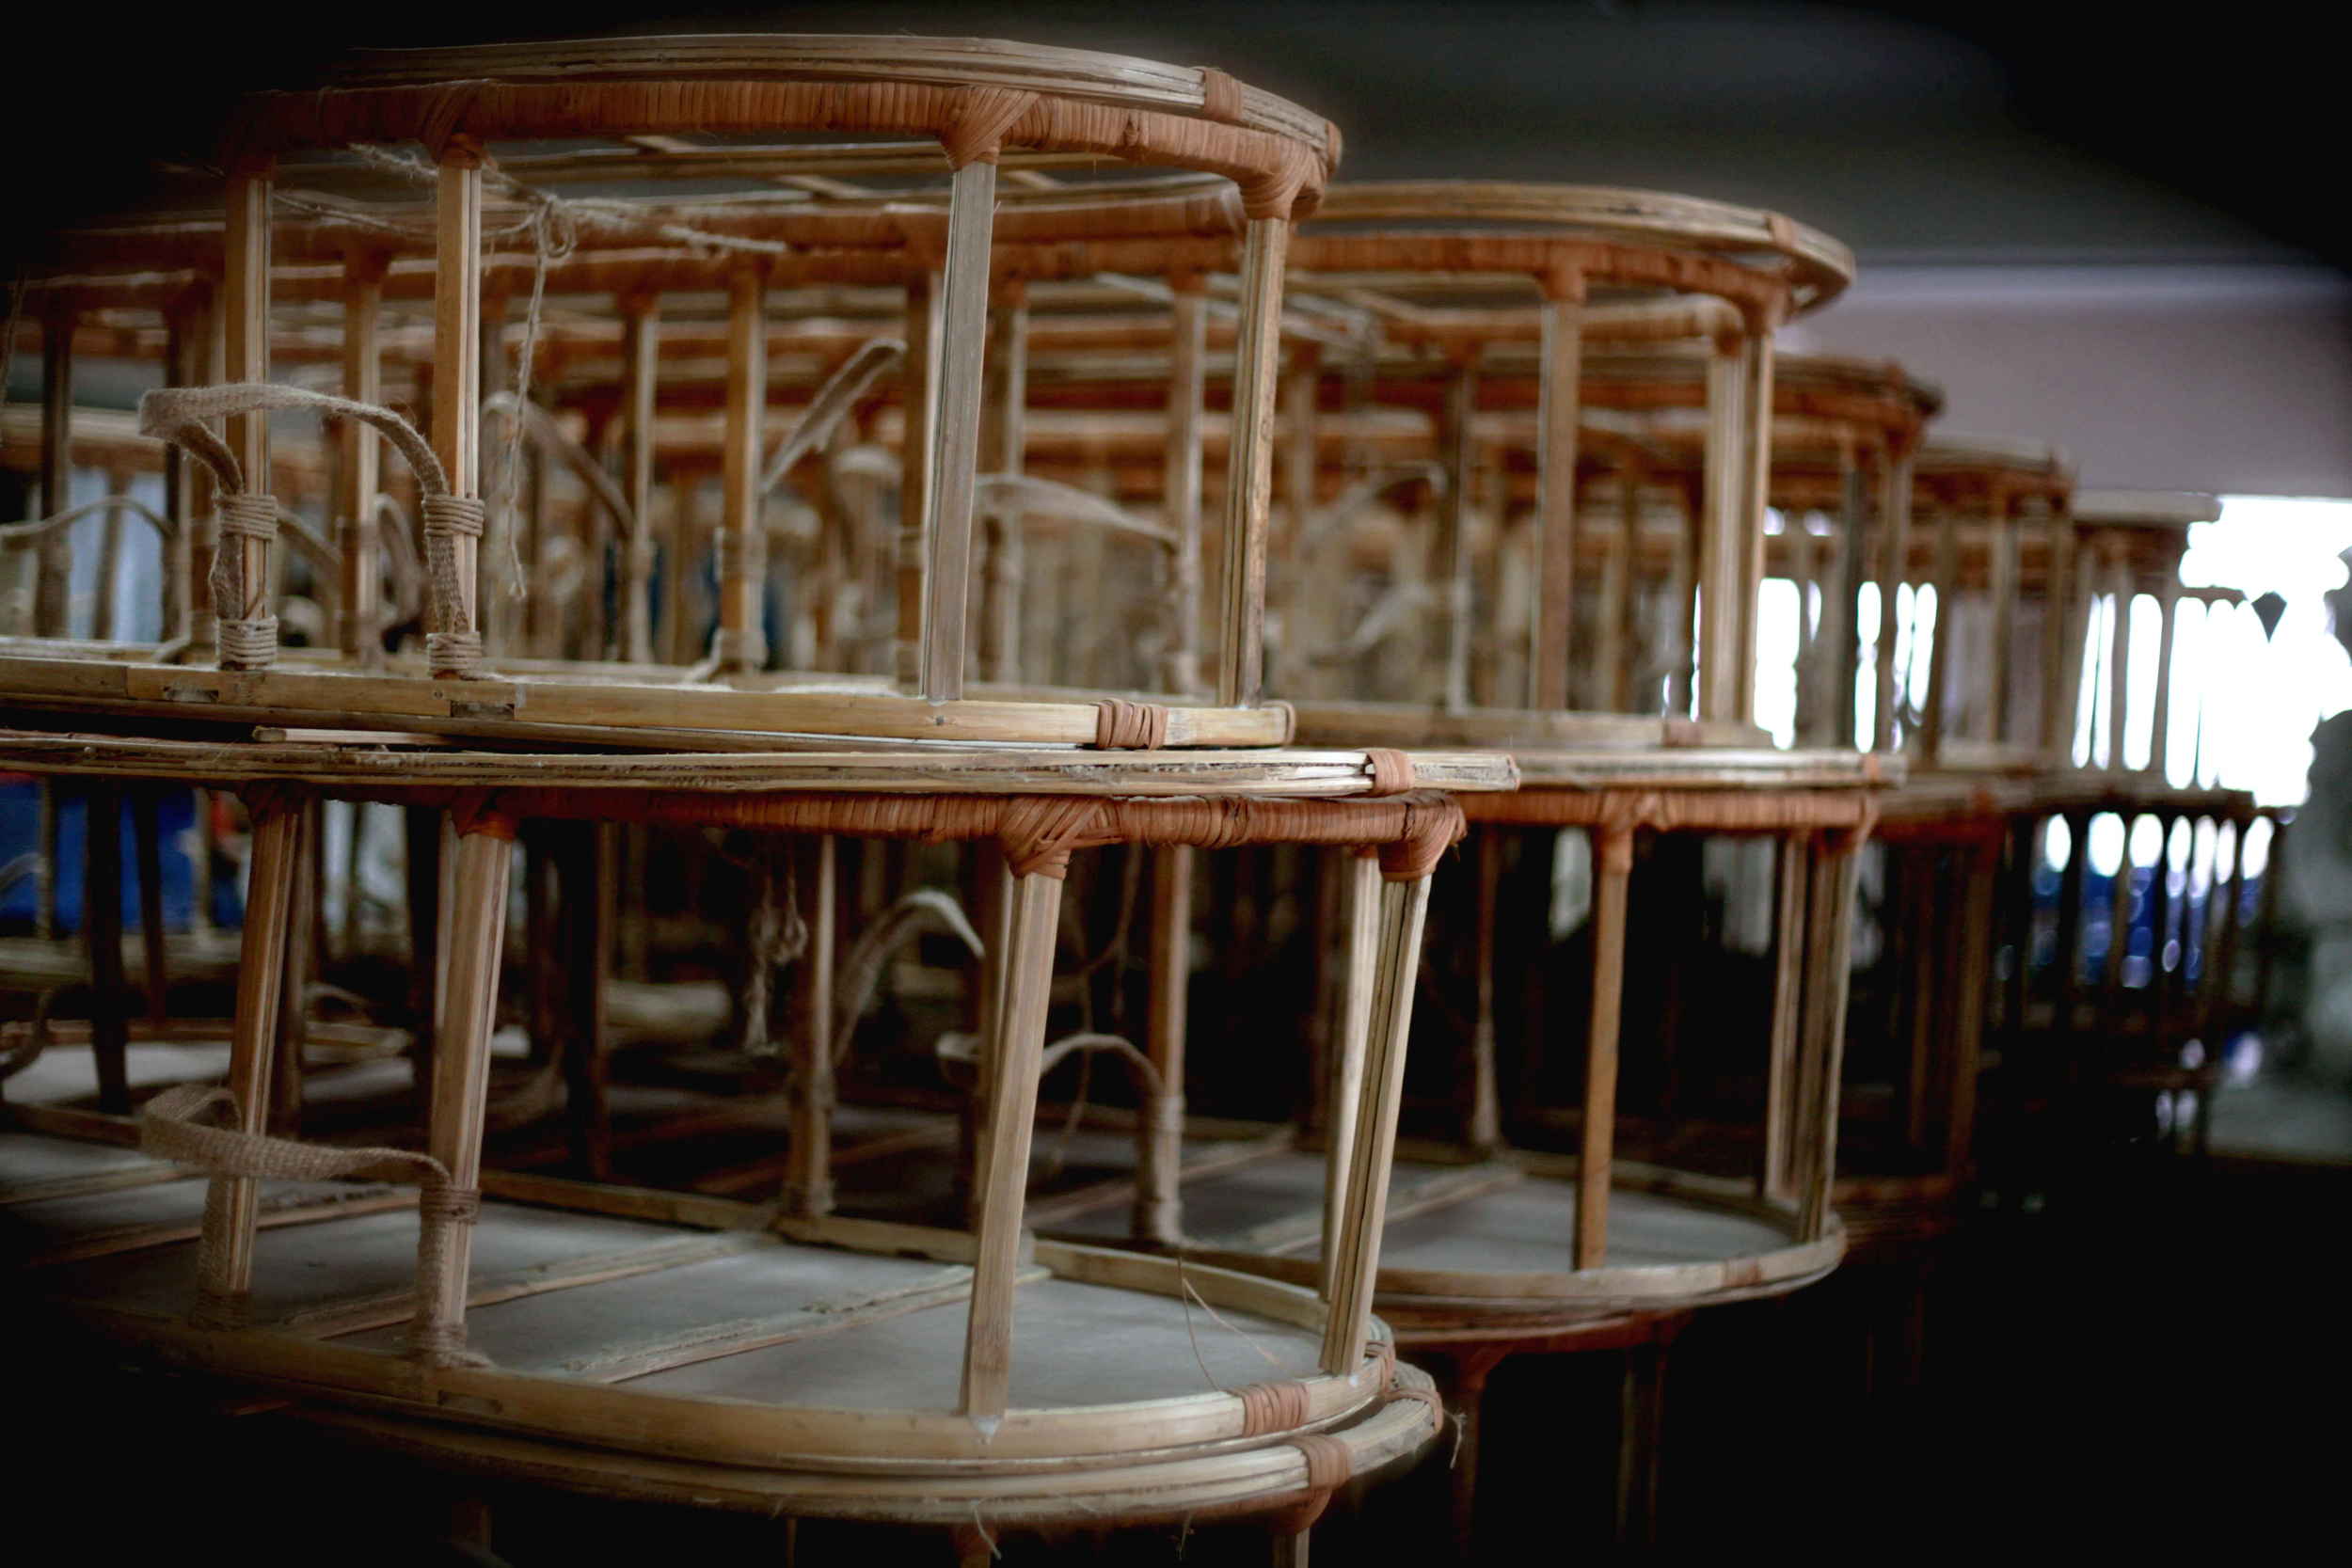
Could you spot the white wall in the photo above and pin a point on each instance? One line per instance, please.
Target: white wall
(2233, 379)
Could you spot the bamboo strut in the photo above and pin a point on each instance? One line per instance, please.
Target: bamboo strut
(54, 568)
(2120, 662)
(232, 1203)
(741, 645)
(245, 316)
(461, 1059)
(1006, 428)
(1722, 555)
(1187, 383)
(1782, 1081)
(1831, 908)
(1756, 477)
(1613, 866)
(1553, 621)
(2160, 722)
(1013, 1061)
(919, 405)
(1894, 511)
(955, 440)
(1946, 626)
(456, 401)
(1249, 465)
(1404, 908)
(359, 476)
(2004, 591)
(641, 348)
(1359, 938)
(1160, 1130)
(808, 1177)
(1461, 402)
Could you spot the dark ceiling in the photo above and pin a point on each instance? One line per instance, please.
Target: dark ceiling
(1988, 133)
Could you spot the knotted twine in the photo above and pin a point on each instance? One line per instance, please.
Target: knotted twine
(169, 1129)
(248, 640)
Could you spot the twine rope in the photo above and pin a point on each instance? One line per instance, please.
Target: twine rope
(171, 1128)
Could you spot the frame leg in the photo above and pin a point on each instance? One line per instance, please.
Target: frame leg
(1360, 904)
(1013, 1058)
(1160, 1134)
(232, 1202)
(461, 1061)
(1612, 868)
(147, 836)
(585, 899)
(1404, 908)
(102, 931)
(808, 1177)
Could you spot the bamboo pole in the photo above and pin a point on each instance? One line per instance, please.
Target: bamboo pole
(302, 919)
(586, 889)
(808, 1176)
(641, 351)
(1776, 1179)
(2004, 592)
(1558, 413)
(1946, 525)
(232, 1204)
(186, 338)
(1359, 939)
(2061, 643)
(1830, 905)
(358, 477)
(1248, 469)
(2160, 722)
(457, 384)
(1612, 867)
(102, 933)
(1160, 1130)
(1894, 512)
(1755, 369)
(743, 642)
(1722, 542)
(1006, 433)
(1485, 1120)
(53, 570)
(955, 441)
(461, 1060)
(1028, 977)
(920, 414)
(1187, 389)
(2119, 659)
(1624, 624)
(1461, 403)
(1404, 908)
(147, 836)
(102, 625)
(245, 317)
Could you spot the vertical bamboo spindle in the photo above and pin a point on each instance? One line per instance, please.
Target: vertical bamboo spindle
(1552, 623)
(461, 1057)
(358, 476)
(1359, 945)
(2004, 591)
(232, 1203)
(1029, 977)
(1624, 627)
(1461, 402)
(1187, 384)
(102, 622)
(1722, 542)
(641, 348)
(2160, 722)
(808, 1177)
(101, 932)
(1983, 864)
(185, 335)
(920, 414)
(53, 573)
(1159, 1199)
(1781, 1086)
(1894, 517)
(456, 651)
(677, 598)
(2061, 642)
(1841, 606)
(1006, 438)
(1249, 468)
(1947, 627)
(743, 641)
(1485, 1121)
(245, 312)
(1824, 1035)
(1755, 370)
(955, 441)
(1404, 908)
(1612, 867)
(2120, 662)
